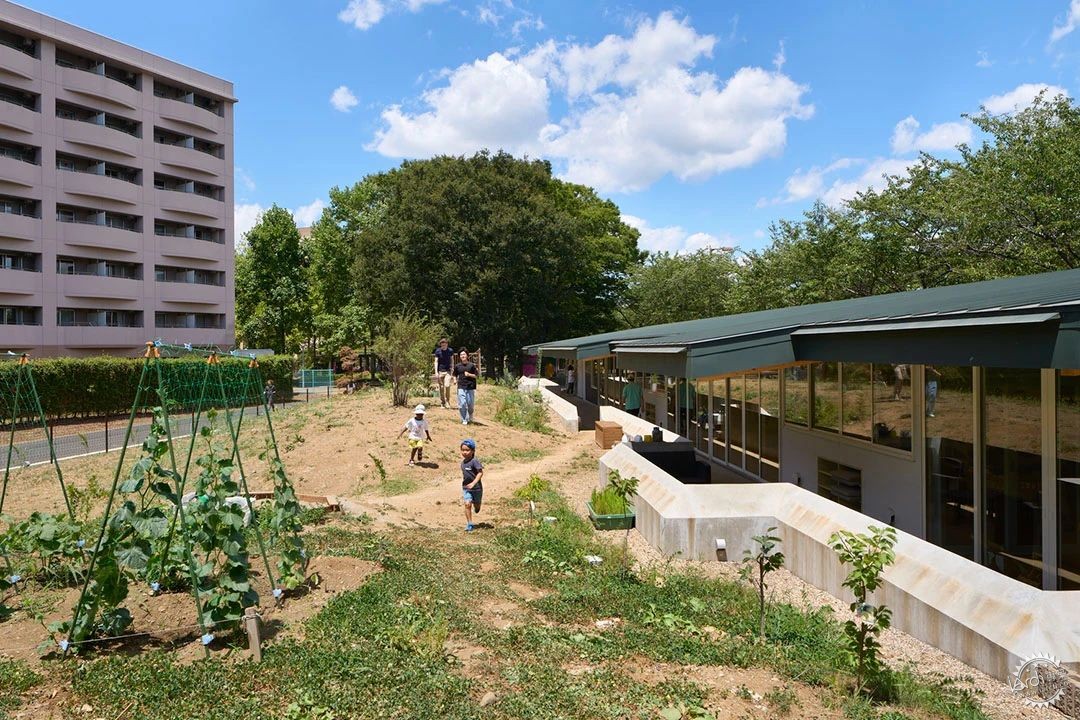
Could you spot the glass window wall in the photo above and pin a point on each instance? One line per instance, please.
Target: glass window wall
(770, 425)
(797, 395)
(892, 406)
(826, 407)
(734, 416)
(1013, 473)
(718, 388)
(950, 463)
(1068, 463)
(858, 400)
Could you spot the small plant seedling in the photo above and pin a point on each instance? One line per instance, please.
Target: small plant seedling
(682, 711)
(763, 559)
(624, 489)
(868, 555)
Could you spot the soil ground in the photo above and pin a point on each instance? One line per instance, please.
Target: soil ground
(347, 447)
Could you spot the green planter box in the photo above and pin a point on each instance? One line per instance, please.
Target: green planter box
(611, 522)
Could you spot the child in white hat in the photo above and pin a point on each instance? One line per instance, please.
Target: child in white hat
(417, 427)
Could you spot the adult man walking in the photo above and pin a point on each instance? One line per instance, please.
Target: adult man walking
(444, 362)
(465, 372)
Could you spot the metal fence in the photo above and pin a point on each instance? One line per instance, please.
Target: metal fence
(102, 434)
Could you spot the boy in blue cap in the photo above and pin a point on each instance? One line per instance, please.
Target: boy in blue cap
(472, 472)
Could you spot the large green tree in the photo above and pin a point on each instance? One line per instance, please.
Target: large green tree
(272, 300)
(491, 247)
(670, 288)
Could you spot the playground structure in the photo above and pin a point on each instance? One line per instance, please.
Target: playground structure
(177, 518)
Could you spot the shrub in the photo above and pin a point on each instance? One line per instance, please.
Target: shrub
(523, 410)
(85, 387)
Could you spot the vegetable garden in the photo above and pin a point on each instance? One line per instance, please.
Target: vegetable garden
(181, 520)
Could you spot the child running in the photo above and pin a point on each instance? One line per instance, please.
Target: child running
(472, 472)
(417, 427)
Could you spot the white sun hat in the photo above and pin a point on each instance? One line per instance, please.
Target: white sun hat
(419, 410)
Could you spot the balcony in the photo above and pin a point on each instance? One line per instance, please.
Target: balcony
(98, 136)
(98, 236)
(98, 87)
(18, 118)
(192, 294)
(91, 185)
(190, 204)
(18, 63)
(102, 337)
(97, 287)
(191, 248)
(22, 336)
(20, 227)
(198, 336)
(17, 172)
(21, 283)
(190, 159)
(189, 115)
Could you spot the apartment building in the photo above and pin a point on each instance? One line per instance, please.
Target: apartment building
(116, 194)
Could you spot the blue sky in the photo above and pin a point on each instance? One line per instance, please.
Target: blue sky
(704, 120)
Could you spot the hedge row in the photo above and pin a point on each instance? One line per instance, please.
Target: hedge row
(88, 387)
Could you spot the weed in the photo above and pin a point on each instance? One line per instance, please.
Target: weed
(533, 489)
(781, 700)
(522, 410)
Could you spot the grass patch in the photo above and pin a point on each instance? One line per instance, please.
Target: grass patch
(525, 411)
(381, 650)
(15, 679)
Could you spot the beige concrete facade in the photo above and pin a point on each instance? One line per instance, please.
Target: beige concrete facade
(116, 194)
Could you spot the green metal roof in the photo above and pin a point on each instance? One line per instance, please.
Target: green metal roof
(732, 342)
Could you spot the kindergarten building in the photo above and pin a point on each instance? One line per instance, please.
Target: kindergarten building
(951, 413)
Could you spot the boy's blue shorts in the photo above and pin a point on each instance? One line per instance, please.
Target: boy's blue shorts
(474, 496)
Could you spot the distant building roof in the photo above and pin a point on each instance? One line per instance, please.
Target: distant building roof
(305, 232)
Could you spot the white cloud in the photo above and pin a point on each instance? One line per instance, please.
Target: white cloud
(343, 99)
(873, 177)
(810, 184)
(637, 110)
(984, 60)
(245, 215)
(1072, 20)
(780, 59)
(1021, 97)
(244, 180)
(363, 14)
(306, 215)
(674, 239)
(941, 136)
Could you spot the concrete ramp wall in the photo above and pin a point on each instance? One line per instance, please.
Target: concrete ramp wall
(564, 410)
(986, 619)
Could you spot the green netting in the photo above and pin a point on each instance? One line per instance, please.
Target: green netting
(200, 388)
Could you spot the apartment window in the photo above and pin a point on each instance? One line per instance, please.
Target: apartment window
(210, 148)
(20, 152)
(174, 184)
(168, 137)
(214, 192)
(18, 206)
(28, 262)
(214, 321)
(68, 59)
(209, 234)
(122, 172)
(170, 229)
(10, 315)
(68, 111)
(121, 221)
(98, 268)
(165, 273)
(19, 97)
(69, 164)
(65, 266)
(79, 317)
(22, 43)
(65, 214)
(170, 92)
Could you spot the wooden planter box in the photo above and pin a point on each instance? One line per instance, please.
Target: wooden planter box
(611, 522)
(608, 433)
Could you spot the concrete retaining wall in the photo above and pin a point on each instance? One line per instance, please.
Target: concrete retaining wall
(563, 409)
(986, 619)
